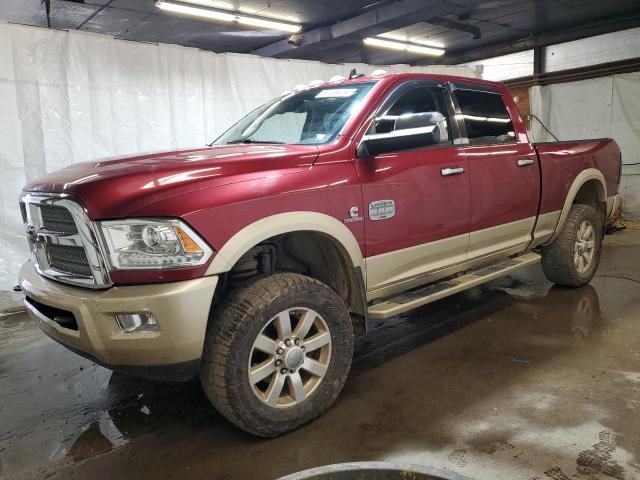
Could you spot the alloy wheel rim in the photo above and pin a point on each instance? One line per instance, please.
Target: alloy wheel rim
(584, 248)
(290, 357)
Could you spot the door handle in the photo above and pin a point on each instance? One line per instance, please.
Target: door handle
(523, 162)
(451, 171)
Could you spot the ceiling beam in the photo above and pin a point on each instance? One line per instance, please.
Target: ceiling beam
(541, 40)
(455, 25)
(374, 22)
(575, 74)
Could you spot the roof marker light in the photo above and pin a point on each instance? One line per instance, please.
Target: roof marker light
(336, 78)
(378, 73)
(407, 47)
(315, 83)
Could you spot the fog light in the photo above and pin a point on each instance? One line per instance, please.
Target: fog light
(137, 322)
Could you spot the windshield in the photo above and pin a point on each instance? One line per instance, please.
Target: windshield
(307, 117)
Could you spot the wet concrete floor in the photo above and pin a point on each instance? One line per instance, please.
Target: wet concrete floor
(514, 380)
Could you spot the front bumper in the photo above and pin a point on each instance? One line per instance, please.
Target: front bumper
(181, 310)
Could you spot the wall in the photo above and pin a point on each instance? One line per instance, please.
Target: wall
(73, 96)
(521, 97)
(504, 67)
(601, 107)
(609, 47)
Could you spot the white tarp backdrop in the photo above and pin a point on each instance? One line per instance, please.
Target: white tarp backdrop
(68, 97)
(597, 108)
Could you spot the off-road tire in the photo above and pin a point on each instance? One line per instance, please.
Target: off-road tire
(558, 261)
(235, 324)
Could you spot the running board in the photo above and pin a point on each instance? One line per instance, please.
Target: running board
(405, 301)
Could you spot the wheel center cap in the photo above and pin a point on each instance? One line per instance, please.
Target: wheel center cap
(294, 358)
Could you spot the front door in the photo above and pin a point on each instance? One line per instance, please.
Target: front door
(503, 172)
(416, 199)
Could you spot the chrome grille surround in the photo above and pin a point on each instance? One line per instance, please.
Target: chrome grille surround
(48, 223)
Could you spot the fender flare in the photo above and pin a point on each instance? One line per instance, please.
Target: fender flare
(582, 178)
(298, 221)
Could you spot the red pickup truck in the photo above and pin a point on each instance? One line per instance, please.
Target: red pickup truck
(251, 262)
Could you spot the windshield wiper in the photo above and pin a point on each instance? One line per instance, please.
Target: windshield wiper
(251, 140)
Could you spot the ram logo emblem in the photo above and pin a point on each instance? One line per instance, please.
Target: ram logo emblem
(31, 232)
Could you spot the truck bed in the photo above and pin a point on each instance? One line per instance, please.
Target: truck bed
(561, 162)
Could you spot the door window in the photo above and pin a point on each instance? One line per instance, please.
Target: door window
(485, 116)
(420, 107)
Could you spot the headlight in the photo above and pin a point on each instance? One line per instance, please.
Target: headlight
(150, 244)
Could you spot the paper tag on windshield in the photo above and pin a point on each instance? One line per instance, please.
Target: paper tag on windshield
(336, 93)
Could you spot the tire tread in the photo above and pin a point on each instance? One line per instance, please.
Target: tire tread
(557, 258)
(228, 323)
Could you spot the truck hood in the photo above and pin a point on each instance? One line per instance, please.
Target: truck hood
(112, 187)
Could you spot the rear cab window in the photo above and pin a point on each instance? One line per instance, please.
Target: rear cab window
(484, 116)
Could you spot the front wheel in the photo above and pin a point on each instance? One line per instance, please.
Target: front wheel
(573, 257)
(277, 353)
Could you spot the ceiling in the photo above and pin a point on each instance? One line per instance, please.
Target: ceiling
(333, 29)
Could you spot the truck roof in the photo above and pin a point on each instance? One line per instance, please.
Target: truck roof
(416, 76)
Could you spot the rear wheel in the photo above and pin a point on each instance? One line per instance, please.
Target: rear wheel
(277, 353)
(573, 257)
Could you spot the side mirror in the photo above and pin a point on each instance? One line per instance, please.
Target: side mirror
(412, 130)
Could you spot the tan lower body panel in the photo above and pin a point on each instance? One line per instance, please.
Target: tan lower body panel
(181, 310)
(394, 267)
(501, 237)
(414, 266)
(546, 227)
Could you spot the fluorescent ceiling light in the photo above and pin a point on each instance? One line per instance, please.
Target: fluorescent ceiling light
(376, 42)
(404, 39)
(196, 11)
(201, 11)
(222, 5)
(271, 24)
(407, 47)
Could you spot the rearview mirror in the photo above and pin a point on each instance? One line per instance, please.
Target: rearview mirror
(412, 130)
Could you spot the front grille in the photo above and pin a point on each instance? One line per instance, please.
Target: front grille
(63, 241)
(57, 219)
(68, 259)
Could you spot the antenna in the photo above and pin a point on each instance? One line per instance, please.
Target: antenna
(543, 126)
(354, 74)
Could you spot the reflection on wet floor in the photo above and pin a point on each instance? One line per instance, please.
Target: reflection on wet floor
(513, 379)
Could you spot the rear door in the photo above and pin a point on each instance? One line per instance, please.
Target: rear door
(416, 199)
(503, 171)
